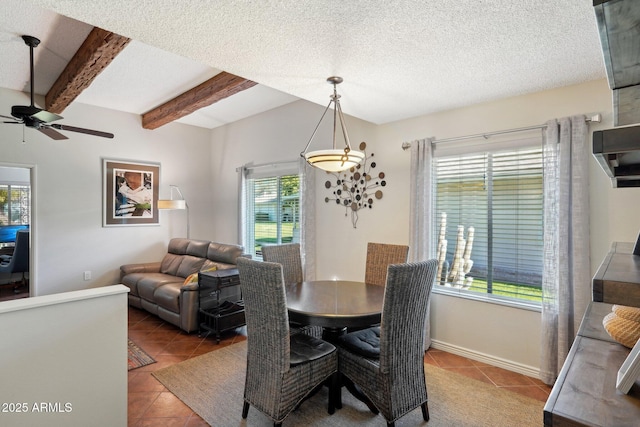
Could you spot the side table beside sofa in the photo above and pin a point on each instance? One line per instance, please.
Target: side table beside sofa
(169, 288)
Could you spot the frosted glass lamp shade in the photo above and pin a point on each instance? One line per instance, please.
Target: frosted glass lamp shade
(172, 204)
(334, 160)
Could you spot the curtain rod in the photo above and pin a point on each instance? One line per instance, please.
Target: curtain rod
(266, 165)
(405, 145)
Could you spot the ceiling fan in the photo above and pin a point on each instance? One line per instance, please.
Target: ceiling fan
(39, 119)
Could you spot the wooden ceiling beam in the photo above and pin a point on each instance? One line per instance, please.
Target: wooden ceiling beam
(213, 90)
(96, 53)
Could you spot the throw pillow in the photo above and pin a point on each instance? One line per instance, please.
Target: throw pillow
(193, 278)
(624, 331)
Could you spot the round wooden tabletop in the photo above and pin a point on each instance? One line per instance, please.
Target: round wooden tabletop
(335, 303)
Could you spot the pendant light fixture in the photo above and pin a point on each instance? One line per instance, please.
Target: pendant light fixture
(335, 159)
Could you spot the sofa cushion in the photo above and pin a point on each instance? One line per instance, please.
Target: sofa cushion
(170, 264)
(224, 253)
(173, 261)
(167, 296)
(181, 246)
(131, 280)
(148, 284)
(189, 265)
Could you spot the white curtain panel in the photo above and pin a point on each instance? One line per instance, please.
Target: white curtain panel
(420, 215)
(566, 284)
(242, 204)
(307, 218)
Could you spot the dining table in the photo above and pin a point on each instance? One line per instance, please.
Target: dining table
(335, 305)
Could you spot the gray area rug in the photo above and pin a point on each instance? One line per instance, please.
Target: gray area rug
(212, 386)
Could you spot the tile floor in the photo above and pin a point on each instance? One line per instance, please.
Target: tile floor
(151, 404)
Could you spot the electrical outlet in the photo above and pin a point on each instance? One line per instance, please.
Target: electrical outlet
(87, 275)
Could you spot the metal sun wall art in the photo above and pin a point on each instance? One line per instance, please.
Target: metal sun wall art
(355, 188)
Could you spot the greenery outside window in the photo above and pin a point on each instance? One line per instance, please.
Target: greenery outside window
(271, 209)
(15, 204)
(499, 194)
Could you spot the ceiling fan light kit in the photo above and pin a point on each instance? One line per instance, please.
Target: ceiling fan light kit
(334, 159)
(39, 119)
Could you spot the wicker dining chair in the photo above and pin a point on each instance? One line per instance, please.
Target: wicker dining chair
(387, 362)
(282, 369)
(288, 255)
(379, 257)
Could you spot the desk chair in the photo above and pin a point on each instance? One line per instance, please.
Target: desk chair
(387, 362)
(282, 369)
(19, 261)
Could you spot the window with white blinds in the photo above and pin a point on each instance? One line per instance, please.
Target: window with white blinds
(272, 210)
(15, 204)
(499, 194)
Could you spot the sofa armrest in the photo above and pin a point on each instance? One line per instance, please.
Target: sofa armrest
(145, 267)
(189, 307)
(189, 287)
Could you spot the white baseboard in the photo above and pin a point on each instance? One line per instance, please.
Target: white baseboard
(509, 365)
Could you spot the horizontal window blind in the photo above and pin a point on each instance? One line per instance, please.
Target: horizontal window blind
(15, 204)
(499, 194)
(271, 211)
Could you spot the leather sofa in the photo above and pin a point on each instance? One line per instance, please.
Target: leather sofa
(169, 288)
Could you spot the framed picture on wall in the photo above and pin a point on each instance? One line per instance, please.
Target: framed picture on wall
(130, 193)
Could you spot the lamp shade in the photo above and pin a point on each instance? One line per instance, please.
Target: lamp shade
(334, 160)
(172, 204)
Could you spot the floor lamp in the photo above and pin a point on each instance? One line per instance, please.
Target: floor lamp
(172, 203)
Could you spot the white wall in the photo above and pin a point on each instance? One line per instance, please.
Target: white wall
(67, 231)
(69, 352)
(504, 335)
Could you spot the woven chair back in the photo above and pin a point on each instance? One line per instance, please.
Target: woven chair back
(266, 315)
(404, 316)
(288, 255)
(379, 257)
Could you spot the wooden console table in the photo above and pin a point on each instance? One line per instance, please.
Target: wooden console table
(585, 392)
(617, 281)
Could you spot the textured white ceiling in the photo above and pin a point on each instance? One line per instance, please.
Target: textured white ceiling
(399, 59)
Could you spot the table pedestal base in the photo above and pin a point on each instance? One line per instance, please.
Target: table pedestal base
(331, 334)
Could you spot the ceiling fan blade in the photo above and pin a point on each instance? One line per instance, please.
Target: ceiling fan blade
(12, 118)
(53, 134)
(46, 117)
(82, 130)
